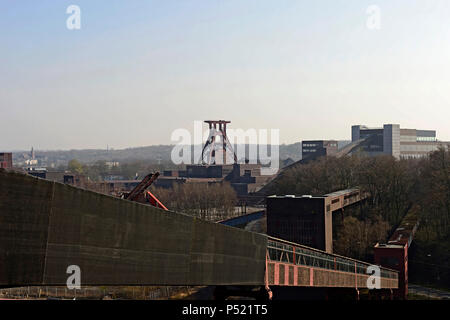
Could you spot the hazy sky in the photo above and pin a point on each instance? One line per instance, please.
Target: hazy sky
(138, 70)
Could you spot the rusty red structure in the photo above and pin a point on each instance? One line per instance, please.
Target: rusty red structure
(217, 128)
(142, 195)
(394, 253)
(291, 264)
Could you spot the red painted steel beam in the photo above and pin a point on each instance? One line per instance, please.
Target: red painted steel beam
(154, 201)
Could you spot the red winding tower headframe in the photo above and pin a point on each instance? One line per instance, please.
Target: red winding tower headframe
(217, 128)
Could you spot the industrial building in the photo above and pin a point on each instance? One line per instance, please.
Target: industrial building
(218, 163)
(313, 149)
(307, 219)
(244, 178)
(6, 160)
(58, 176)
(395, 141)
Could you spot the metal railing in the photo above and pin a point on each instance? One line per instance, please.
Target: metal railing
(284, 251)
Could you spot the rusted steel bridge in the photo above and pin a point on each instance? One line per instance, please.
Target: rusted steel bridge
(46, 226)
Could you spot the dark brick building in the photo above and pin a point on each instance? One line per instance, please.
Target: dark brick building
(302, 220)
(6, 160)
(306, 219)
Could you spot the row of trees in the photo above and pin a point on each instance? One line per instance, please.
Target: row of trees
(208, 201)
(388, 180)
(355, 237)
(430, 253)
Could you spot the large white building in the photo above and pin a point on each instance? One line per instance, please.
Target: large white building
(395, 141)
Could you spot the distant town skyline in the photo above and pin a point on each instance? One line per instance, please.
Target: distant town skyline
(136, 71)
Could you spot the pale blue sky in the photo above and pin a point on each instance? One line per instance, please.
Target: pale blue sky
(137, 70)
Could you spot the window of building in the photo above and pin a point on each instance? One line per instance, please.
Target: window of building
(425, 139)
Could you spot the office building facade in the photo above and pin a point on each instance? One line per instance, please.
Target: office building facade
(395, 141)
(313, 149)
